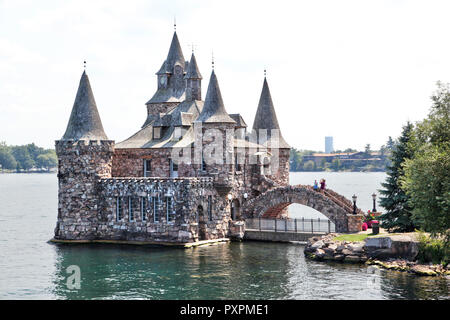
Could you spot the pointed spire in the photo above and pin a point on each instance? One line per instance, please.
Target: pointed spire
(84, 122)
(214, 109)
(175, 55)
(266, 117)
(192, 70)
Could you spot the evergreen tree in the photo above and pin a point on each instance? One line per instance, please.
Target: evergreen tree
(394, 198)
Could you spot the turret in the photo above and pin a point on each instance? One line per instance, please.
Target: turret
(266, 118)
(193, 81)
(171, 83)
(84, 156)
(269, 134)
(217, 137)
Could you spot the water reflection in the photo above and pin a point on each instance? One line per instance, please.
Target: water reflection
(249, 270)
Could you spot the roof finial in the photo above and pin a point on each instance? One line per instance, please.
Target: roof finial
(192, 47)
(265, 72)
(84, 65)
(175, 23)
(212, 61)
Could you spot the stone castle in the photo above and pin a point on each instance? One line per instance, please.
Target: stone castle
(183, 177)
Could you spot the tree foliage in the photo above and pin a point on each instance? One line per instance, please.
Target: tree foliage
(427, 174)
(26, 157)
(398, 214)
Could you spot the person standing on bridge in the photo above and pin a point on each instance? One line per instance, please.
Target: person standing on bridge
(316, 185)
(322, 185)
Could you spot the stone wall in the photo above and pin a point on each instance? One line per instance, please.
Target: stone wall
(188, 223)
(130, 163)
(355, 222)
(157, 108)
(80, 164)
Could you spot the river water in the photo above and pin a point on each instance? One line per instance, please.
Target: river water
(31, 268)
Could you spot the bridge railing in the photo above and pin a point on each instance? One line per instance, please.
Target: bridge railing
(291, 225)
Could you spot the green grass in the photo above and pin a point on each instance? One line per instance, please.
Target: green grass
(352, 237)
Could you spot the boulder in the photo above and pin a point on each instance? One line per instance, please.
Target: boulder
(352, 258)
(319, 253)
(356, 247)
(317, 245)
(339, 257)
(395, 246)
(347, 252)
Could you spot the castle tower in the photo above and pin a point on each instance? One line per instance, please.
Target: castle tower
(84, 156)
(267, 122)
(193, 81)
(171, 83)
(215, 123)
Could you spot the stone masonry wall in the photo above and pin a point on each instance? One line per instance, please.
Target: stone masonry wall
(157, 108)
(188, 223)
(80, 164)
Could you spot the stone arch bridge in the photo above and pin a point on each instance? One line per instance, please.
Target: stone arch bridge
(337, 208)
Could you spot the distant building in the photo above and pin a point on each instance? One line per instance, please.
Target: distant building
(329, 145)
(344, 157)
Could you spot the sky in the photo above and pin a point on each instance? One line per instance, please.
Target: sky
(354, 70)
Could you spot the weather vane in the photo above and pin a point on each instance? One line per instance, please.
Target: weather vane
(265, 72)
(212, 61)
(84, 64)
(175, 23)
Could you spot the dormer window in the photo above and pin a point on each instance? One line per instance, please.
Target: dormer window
(156, 132)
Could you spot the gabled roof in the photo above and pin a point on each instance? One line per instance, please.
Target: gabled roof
(214, 109)
(167, 95)
(240, 123)
(181, 116)
(266, 117)
(192, 69)
(84, 122)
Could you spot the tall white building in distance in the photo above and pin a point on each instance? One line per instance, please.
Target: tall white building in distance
(329, 145)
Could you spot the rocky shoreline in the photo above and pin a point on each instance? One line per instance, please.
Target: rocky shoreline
(391, 252)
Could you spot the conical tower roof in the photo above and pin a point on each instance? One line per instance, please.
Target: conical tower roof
(192, 70)
(175, 55)
(84, 122)
(266, 117)
(214, 109)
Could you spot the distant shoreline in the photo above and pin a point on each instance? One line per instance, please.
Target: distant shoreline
(27, 172)
(343, 171)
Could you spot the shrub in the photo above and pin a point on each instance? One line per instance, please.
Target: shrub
(433, 250)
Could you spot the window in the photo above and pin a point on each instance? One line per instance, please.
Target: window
(170, 210)
(210, 208)
(155, 201)
(156, 132)
(173, 169)
(130, 209)
(119, 209)
(203, 165)
(147, 168)
(237, 166)
(143, 208)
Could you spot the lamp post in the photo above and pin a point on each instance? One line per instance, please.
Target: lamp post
(374, 197)
(354, 203)
(230, 197)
